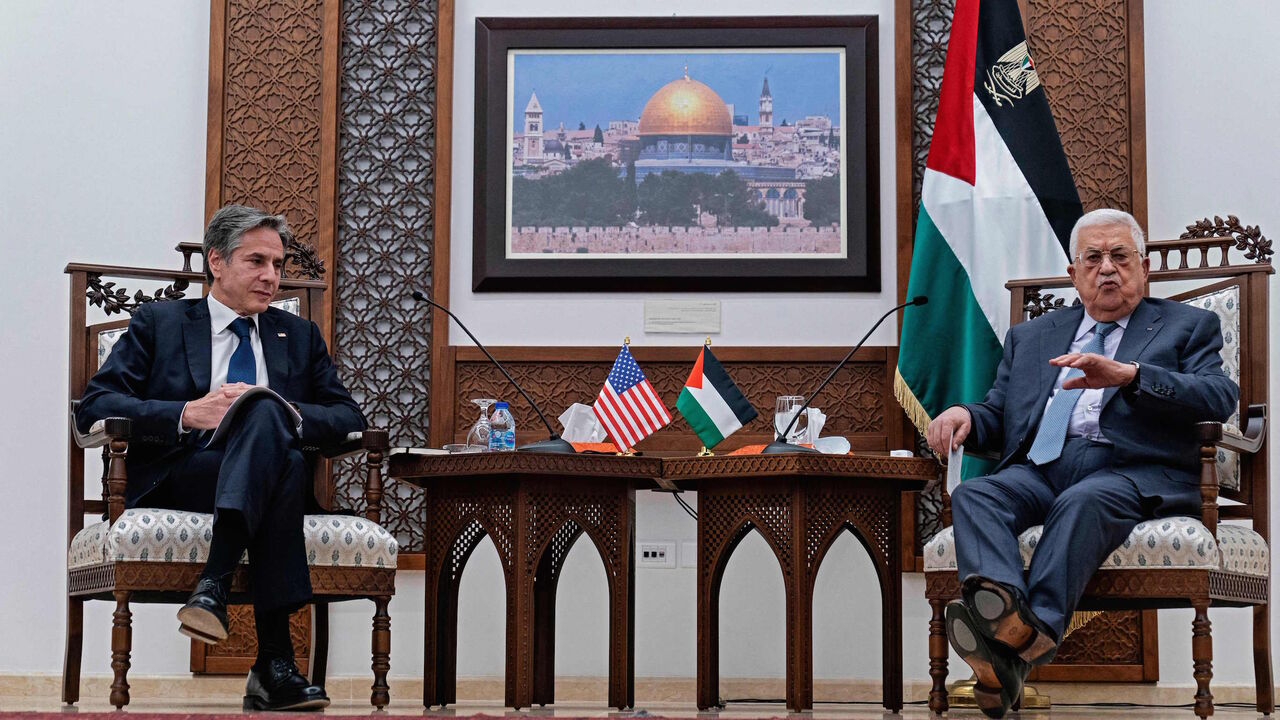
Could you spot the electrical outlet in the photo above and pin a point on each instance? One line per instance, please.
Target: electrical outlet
(656, 554)
(688, 554)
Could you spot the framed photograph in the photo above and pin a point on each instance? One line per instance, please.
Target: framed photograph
(677, 154)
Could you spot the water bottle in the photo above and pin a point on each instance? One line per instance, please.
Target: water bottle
(503, 436)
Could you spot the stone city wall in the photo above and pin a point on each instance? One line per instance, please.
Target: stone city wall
(676, 240)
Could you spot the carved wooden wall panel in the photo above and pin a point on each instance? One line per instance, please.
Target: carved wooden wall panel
(1089, 56)
(1085, 52)
(266, 112)
(383, 247)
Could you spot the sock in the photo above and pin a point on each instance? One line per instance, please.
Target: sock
(230, 538)
(273, 635)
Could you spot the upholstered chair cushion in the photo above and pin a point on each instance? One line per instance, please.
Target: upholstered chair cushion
(1173, 542)
(151, 535)
(1225, 303)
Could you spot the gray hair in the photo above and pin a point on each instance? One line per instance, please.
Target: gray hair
(229, 225)
(1105, 217)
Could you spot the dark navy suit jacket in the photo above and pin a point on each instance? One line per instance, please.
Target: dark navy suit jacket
(1181, 382)
(164, 360)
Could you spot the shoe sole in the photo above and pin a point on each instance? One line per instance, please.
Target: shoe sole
(988, 691)
(202, 625)
(1003, 623)
(253, 703)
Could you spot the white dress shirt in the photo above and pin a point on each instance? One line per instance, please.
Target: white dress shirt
(1088, 408)
(224, 343)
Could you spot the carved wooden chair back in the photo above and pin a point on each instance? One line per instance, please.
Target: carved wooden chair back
(100, 569)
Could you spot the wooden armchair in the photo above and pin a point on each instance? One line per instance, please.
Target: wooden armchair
(1180, 561)
(151, 555)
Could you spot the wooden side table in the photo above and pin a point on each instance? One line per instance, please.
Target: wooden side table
(533, 507)
(799, 504)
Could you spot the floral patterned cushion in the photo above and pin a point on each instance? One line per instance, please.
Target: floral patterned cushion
(1225, 303)
(1174, 542)
(150, 535)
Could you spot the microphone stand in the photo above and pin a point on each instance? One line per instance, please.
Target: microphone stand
(554, 443)
(780, 444)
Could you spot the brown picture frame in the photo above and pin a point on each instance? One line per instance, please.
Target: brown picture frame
(858, 267)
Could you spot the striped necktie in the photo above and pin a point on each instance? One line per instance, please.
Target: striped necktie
(1047, 446)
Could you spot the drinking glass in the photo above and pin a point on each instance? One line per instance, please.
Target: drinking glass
(478, 436)
(785, 408)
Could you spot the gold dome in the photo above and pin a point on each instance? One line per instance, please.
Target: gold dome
(685, 107)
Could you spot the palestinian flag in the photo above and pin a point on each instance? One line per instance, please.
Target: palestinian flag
(710, 402)
(998, 203)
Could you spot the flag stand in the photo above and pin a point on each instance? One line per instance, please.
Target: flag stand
(960, 695)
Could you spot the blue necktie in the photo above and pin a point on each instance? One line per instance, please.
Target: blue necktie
(1047, 446)
(242, 367)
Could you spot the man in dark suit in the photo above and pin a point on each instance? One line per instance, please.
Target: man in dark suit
(175, 373)
(1093, 412)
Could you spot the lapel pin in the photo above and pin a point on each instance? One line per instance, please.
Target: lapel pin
(284, 335)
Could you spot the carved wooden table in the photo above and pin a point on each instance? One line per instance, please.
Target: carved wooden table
(533, 507)
(799, 504)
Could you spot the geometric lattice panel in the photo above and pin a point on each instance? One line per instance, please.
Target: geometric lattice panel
(386, 179)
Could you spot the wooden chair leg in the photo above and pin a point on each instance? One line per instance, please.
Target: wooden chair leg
(1262, 659)
(938, 655)
(73, 652)
(121, 644)
(381, 695)
(319, 642)
(1202, 657)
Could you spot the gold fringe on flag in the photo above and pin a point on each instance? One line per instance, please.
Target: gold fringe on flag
(1079, 620)
(910, 405)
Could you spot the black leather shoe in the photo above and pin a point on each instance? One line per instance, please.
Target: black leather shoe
(279, 686)
(204, 617)
(1003, 615)
(999, 674)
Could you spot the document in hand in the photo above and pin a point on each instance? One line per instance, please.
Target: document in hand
(224, 427)
(955, 459)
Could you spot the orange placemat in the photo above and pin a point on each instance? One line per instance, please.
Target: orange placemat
(757, 449)
(604, 447)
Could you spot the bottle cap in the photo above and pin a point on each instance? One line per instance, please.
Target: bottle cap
(500, 406)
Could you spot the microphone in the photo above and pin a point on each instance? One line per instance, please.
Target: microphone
(780, 444)
(554, 443)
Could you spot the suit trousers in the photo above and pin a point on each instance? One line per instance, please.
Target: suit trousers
(259, 472)
(1087, 508)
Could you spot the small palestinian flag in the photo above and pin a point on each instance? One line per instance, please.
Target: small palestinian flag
(710, 402)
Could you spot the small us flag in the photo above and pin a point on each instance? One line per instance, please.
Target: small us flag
(627, 406)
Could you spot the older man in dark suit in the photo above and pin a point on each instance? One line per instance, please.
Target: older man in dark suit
(175, 373)
(1093, 412)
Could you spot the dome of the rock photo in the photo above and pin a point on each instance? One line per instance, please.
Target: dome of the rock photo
(685, 107)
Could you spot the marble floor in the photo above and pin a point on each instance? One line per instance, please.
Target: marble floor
(671, 697)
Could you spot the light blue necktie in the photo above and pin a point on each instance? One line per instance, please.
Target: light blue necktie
(242, 367)
(1047, 446)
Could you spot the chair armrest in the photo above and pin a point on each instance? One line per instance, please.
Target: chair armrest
(101, 432)
(373, 439)
(1248, 442)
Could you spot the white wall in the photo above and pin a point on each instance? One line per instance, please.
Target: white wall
(102, 132)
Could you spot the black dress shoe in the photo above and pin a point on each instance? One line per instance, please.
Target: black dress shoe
(204, 617)
(1003, 615)
(279, 686)
(999, 674)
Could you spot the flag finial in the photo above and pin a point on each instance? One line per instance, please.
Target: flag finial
(707, 342)
(626, 340)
